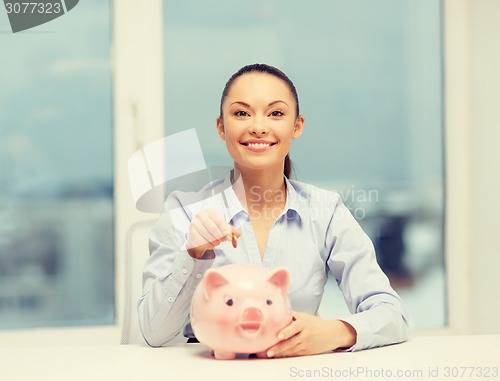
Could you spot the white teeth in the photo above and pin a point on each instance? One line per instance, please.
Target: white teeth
(259, 145)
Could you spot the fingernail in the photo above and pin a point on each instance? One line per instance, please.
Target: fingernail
(281, 336)
(229, 237)
(270, 353)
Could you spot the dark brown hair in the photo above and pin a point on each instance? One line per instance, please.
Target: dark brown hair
(267, 69)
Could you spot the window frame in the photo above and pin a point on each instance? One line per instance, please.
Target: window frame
(137, 91)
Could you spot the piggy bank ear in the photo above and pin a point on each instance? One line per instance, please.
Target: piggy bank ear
(213, 280)
(280, 278)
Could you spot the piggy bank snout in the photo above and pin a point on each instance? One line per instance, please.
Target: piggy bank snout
(251, 321)
(252, 314)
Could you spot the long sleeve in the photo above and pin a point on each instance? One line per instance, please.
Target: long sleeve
(170, 277)
(378, 315)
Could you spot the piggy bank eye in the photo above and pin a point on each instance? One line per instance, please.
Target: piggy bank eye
(228, 300)
(269, 302)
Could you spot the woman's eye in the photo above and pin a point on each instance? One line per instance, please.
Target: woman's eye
(277, 113)
(240, 113)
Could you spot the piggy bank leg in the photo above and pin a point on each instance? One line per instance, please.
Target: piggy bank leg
(223, 355)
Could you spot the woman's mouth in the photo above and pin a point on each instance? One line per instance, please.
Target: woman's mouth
(258, 146)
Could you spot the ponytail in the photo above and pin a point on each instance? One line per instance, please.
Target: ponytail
(288, 167)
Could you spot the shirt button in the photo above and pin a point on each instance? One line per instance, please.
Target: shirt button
(198, 276)
(170, 299)
(184, 271)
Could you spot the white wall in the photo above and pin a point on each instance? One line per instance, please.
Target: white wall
(138, 109)
(485, 165)
(472, 63)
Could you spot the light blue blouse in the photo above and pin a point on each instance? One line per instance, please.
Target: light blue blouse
(315, 234)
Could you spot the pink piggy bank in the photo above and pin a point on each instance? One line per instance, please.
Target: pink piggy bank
(240, 309)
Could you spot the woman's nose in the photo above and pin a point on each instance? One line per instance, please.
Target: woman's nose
(259, 127)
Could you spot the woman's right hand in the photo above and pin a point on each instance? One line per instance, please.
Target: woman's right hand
(208, 230)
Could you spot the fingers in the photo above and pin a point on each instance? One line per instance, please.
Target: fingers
(290, 340)
(208, 230)
(310, 334)
(290, 330)
(286, 348)
(235, 234)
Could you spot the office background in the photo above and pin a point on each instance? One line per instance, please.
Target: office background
(375, 86)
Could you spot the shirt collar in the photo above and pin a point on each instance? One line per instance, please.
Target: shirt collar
(235, 213)
(294, 203)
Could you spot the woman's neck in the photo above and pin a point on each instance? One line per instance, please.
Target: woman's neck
(260, 189)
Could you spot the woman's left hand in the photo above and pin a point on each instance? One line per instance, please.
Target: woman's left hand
(309, 335)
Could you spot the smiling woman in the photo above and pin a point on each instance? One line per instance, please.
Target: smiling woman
(311, 235)
(276, 109)
(260, 111)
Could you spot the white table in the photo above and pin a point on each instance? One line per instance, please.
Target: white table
(421, 358)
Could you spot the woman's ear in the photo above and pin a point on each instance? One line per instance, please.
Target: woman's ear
(220, 128)
(298, 127)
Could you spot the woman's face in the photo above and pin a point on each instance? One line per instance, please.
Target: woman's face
(259, 121)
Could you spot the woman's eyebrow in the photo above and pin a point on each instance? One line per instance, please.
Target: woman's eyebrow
(247, 105)
(278, 101)
(240, 103)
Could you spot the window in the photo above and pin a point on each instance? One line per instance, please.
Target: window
(370, 84)
(56, 172)
(369, 80)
